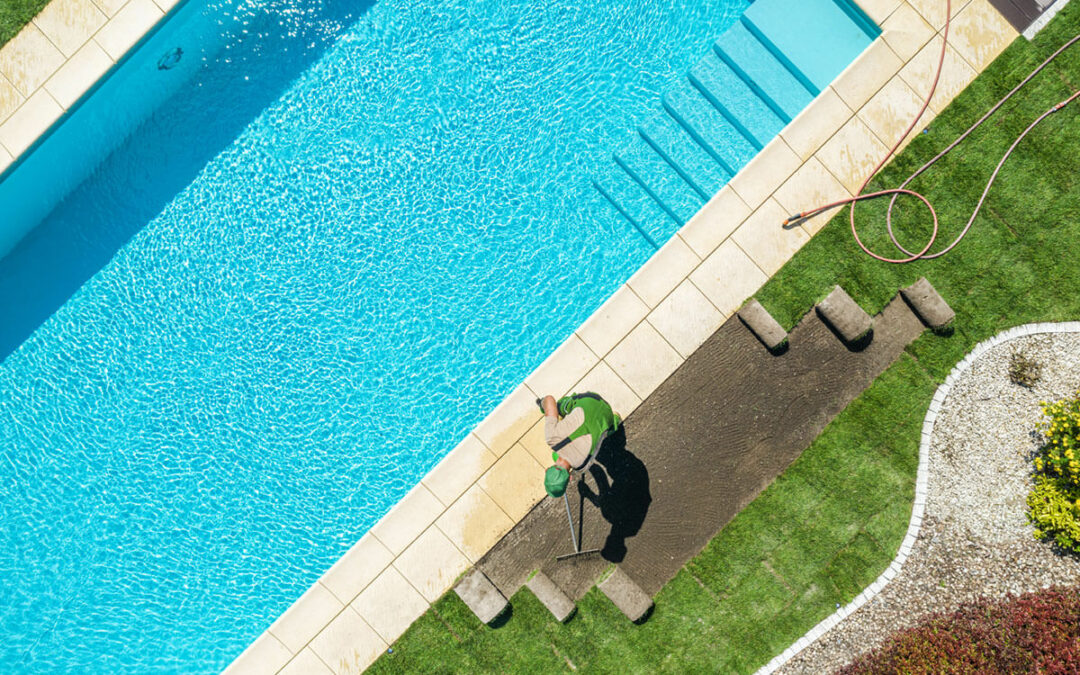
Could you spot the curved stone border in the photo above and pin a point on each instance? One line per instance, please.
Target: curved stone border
(921, 487)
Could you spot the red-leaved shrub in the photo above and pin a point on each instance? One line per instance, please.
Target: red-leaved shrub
(1033, 633)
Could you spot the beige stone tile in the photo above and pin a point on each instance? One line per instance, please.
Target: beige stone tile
(306, 617)
(663, 271)
(355, 570)
(602, 380)
(766, 241)
(811, 186)
(29, 59)
(765, 172)
(128, 26)
(409, 517)
(69, 23)
(535, 441)
(306, 663)
(5, 159)
(10, 98)
(474, 523)
(852, 153)
(979, 33)
(644, 360)
(686, 318)
(509, 421)
(431, 563)
(714, 222)
(867, 74)
(389, 605)
(891, 110)
(615, 318)
(956, 74)
(728, 277)
(348, 645)
(816, 123)
(79, 74)
(933, 11)
(110, 7)
(516, 482)
(32, 119)
(458, 470)
(561, 370)
(906, 31)
(265, 655)
(166, 5)
(878, 10)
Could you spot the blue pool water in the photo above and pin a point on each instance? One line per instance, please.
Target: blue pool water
(297, 285)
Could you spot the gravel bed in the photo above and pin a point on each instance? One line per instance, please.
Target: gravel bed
(975, 540)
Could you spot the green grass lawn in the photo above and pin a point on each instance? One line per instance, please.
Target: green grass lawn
(834, 520)
(14, 14)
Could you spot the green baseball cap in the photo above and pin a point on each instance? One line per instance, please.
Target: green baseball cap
(555, 481)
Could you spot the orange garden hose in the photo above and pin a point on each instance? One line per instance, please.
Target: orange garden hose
(902, 189)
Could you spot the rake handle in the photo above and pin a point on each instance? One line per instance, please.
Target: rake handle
(570, 519)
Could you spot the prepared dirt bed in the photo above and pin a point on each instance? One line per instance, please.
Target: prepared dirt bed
(975, 539)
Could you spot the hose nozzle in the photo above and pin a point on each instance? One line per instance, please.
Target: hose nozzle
(792, 218)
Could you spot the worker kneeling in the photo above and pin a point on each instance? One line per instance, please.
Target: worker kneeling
(575, 428)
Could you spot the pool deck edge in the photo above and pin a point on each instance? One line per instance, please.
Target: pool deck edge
(635, 340)
(59, 56)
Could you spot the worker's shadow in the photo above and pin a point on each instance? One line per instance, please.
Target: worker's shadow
(622, 493)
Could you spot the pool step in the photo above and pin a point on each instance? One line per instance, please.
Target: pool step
(815, 38)
(753, 80)
(767, 76)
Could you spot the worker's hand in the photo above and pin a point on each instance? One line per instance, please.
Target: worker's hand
(551, 407)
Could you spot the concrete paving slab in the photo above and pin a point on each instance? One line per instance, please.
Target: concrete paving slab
(389, 605)
(482, 597)
(265, 655)
(348, 644)
(357, 568)
(816, 123)
(431, 564)
(306, 663)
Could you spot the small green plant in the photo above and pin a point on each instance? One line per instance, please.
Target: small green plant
(1024, 371)
(1054, 504)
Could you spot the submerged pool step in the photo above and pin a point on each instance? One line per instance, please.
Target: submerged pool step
(753, 80)
(734, 138)
(661, 178)
(670, 139)
(631, 204)
(765, 74)
(816, 38)
(726, 92)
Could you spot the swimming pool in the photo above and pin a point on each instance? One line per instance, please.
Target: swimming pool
(294, 288)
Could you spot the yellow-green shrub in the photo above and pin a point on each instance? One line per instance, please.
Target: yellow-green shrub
(1061, 427)
(1055, 510)
(1054, 504)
